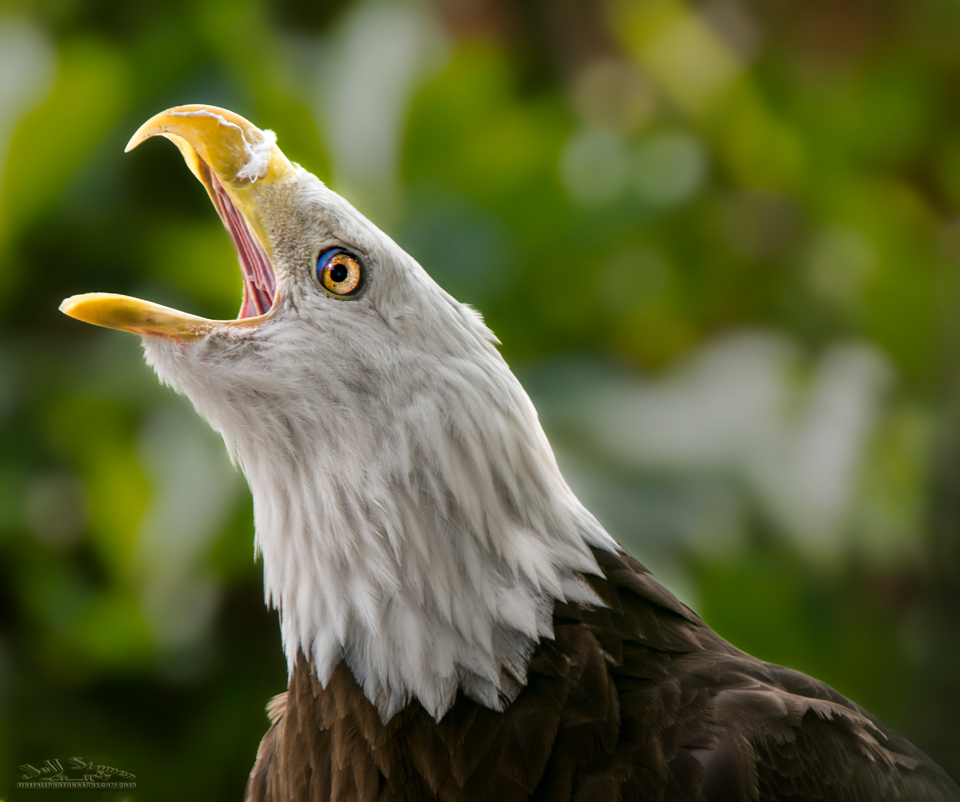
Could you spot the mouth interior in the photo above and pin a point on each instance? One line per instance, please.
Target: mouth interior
(259, 281)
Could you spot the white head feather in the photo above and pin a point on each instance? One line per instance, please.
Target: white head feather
(408, 507)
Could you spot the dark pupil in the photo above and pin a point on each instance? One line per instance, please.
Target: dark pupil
(338, 273)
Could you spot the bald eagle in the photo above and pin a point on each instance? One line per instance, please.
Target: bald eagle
(457, 626)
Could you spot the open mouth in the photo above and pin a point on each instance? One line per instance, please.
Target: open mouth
(259, 281)
(240, 167)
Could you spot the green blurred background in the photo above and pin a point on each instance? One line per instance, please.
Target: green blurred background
(719, 243)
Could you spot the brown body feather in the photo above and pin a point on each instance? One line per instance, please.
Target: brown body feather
(639, 701)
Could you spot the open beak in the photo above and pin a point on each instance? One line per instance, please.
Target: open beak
(241, 168)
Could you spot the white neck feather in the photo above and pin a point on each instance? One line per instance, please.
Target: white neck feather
(411, 515)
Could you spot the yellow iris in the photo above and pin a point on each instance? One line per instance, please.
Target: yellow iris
(340, 272)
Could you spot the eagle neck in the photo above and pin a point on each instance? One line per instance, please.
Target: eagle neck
(411, 518)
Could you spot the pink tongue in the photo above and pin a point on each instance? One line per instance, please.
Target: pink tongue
(259, 286)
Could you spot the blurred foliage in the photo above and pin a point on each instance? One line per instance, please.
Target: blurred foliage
(717, 240)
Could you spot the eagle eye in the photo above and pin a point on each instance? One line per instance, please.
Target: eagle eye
(340, 272)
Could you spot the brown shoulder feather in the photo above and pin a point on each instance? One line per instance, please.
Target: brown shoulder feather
(636, 700)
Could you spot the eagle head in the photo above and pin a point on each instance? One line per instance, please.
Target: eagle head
(409, 510)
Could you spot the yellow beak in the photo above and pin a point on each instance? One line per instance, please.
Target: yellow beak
(241, 167)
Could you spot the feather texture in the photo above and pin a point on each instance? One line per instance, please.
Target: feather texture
(637, 701)
(411, 515)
